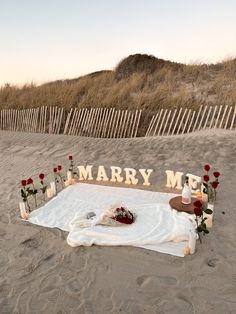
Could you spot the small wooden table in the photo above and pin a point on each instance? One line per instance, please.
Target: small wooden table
(176, 203)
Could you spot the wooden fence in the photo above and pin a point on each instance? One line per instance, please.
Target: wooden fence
(179, 121)
(113, 123)
(98, 122)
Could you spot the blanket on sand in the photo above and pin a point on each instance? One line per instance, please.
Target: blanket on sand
(157, 227)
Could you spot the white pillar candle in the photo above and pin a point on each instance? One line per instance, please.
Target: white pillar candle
(69, 175)
(209, 217)
(23, 213)
(67, 183)
(49, 193)
(192, 241)
(53, 187)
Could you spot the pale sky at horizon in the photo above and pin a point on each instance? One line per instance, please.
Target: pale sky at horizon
(44, 40)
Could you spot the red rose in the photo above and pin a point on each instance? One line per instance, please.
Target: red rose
(55, 170)
(207, 167)
(23, 183)
(206, 178)
(70, 157)
(198, 211)
(59, 168)
(198, 204)
(41, 176)
(29, 181)
(214, 184)
(216, 174)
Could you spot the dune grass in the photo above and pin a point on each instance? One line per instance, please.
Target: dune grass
(138, 82)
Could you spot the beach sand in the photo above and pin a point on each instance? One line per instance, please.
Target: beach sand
(40, 273)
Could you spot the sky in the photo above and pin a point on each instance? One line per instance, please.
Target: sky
(45, 40)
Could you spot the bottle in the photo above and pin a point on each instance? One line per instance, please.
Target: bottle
(186, 193)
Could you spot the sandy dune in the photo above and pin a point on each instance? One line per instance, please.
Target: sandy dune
(40, 273)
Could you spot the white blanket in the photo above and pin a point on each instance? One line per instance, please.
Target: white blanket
(156, 227)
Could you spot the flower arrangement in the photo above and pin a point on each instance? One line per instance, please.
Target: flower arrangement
(123, 215)
(199, 211)
(43, 186)
(28, 189)
(210, 187)
(58, 174)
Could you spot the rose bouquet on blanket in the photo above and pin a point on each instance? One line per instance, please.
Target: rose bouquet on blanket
(116, 216)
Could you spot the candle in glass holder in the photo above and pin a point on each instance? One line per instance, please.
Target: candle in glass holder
(209, 217)
(67, 183)
(69, 175)
(23, 212)
(186, 251)
(204, 197)
(49, 193)
(199, 195)
(53, 188)
(192, 241)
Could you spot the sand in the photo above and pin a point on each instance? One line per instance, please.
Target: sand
(40, 273)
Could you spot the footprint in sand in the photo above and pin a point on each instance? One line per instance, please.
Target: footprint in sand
(183, 304)
(213, 262)
(32, 243)
(151, 281)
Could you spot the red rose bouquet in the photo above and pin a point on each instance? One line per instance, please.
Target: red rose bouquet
(210, 186)
(199, 211)
(123, 215)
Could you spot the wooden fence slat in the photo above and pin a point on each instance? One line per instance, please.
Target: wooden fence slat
(80, 120)
(117, 124)
(113, 120)
(162, 121)
(102, 121)
(137, 124)
(167, 119)
(127, 124)
(181, 121)
(97, 122)
(172, 120)
(74, 127)
(223, 116)
(157, 124)
(213, 116)
(123, 124)
(197, 118)
(186, 121)
(227, 119)
(110, 122)
(83, 121)
(218, 115)
(176, 122)
(150, 125)
(67, 121)
(120, 124)
(207, 118)
(203, 115)
(106, 122)
(233, 118)
(72, 121)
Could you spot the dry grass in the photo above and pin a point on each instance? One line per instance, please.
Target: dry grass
(139, 81)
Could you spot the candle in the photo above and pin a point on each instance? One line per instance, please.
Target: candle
(186, 251)
(209, 217)
(67, 183)
(53, 188)
(23, 212)
(49, 193)
(199, 195)
(192, 241)
(204, 197)
(69, 175)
